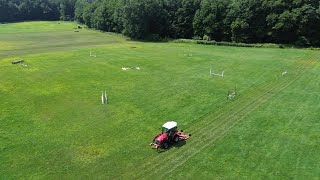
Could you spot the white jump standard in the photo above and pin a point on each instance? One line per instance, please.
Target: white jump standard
(24, 65)
(284, 73)
(232, 94)
(215, 74)
(93, 55)
(187, 53)
(127, 68)
(104, 97)
(124, 68)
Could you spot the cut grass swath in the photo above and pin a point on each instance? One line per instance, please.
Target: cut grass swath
(177, 158)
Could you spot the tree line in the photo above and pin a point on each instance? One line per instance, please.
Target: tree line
(28, 10)
(247, 21)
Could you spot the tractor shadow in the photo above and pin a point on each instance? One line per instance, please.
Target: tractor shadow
(179, 144)
(174, 145)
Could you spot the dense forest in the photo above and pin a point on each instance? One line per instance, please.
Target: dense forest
(248, 21)
(27, 10)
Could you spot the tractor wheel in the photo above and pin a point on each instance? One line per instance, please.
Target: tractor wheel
(165, 145)
(176, 139)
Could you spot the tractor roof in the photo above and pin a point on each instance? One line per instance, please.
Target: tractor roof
(170, 125)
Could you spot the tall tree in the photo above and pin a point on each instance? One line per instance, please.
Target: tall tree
(67, 9)
(79, 9)
(184, 18)
(210, 19)
(247, 20)
(134, 19)
(87, 14)
(8, 11)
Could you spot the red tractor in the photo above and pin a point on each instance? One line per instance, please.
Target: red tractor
(170, 134)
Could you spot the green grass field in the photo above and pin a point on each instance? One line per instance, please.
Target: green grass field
(52, 123)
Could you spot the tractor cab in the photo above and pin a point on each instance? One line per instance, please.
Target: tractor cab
(169, 128)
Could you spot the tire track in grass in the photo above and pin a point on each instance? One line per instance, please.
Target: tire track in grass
(236, 104)
(154, 165)
(222, 131)
(254, 105)
(219, 129)
(207, 139)
(228, 128)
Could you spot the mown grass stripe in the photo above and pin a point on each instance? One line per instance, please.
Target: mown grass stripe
(153, 167)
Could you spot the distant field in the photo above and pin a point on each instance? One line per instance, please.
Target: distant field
(52, 123)
(40, 37)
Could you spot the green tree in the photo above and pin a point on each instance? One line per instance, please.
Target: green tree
(79, 10)
(309, 25)
(88, 13)
(8, 11)
(294, 21)
(210, 20)
(247, 20)
(184, 18)
(134, 19)
(67, 9)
